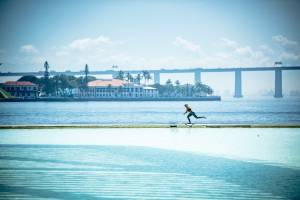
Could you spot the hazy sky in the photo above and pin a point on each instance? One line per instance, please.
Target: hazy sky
(153, 34)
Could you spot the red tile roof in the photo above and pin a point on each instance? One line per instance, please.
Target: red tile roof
(19, 83)
(105, 83)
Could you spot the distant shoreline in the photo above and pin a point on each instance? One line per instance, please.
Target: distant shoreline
(76, 99)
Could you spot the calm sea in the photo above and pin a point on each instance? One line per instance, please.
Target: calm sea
(228, 111)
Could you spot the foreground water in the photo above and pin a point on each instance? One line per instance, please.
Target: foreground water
(228, 111)
(150, 164)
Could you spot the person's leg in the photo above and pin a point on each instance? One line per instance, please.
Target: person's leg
(194, 114)
(188, 117)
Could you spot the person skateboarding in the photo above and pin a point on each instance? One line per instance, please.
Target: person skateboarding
(191, 113)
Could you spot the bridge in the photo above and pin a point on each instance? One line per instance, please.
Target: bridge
(196, 71)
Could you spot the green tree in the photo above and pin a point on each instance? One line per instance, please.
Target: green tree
(86, 72)
(81, 81)
(30, 78)
(202, 88)
(120, 75)
(129, 77)
(47, 86)
(138, 78)
(170, 87)
(56, 80)
(147, 76)
(177, 88)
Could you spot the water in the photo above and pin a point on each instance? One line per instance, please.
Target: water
(150, 163)
(228, 111)
(271, 145)
(170, 163)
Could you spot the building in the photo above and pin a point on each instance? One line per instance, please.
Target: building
(115, 88)
(21, 89)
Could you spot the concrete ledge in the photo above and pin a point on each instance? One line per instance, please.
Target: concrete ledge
(60, 126)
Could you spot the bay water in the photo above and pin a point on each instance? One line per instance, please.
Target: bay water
(227, 111)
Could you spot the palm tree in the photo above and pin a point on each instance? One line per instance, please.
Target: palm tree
(138, 78)
(46, 82)
(120, 75)
(86, 71)
(169, 82)
(46, 73)
(129, 77)
(147, 76)
(169, 86)
(177, 87)
(185, 89)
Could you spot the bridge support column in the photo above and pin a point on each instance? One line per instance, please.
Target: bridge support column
(238, 84)
(278, 83)
(157, 77)
(197, 75)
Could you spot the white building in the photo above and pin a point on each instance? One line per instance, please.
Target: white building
(115, 88)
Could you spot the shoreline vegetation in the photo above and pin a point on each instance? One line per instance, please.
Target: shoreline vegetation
(133, 88)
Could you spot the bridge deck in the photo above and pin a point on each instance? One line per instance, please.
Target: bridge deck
(190, 70)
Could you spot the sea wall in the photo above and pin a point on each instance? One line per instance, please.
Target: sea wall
(70, 99)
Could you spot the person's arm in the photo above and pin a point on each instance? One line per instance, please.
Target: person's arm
(185, 112)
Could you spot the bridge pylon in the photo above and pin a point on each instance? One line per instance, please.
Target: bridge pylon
(238, 84)
(197, 76)
(278, 83)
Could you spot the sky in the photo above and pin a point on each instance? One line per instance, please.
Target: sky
(153, 35)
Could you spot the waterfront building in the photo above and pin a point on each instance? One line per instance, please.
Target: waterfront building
(115, 88)
(21, 89)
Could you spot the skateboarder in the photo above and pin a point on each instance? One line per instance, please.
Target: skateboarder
(191, 113)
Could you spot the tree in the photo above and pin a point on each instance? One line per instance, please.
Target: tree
(177, 88)
(120, 75)
(46, 73)
(147, 76)
(81, 81)
(46, 85)
(208, 89)
(138, 78)
(86, 71)
(30, 78)
(202, 88)
(186, 90)
(56, 80)
(160, 88)
(169, 82)
(170, 88)
(129, 77)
